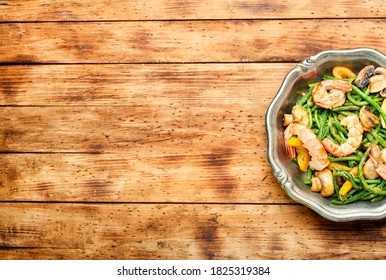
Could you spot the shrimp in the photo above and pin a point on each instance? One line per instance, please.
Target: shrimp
(378, 158)
(319, 159)
(336, 95)
(354, 139)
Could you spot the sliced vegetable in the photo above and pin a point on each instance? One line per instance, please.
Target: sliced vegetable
(353, 173)
(303, 157)
(346, 187)
(341, 72)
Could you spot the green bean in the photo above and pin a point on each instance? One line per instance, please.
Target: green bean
(309, 176)
(373, 181)
(323, 124)
(346, 108)
(370, 101)
(332, 139)
(336, 188)
(312, 85)
(358, 153)
(370, 137)
(354, 101)
(336, 135)
(345, 113)
(304, 98)
(328, 77)
(348, 158)
(369, 196)
(378, 198)
(326, 131)
(377, 128)
(310, 102)
(352, 163)
(348, 103)
(309, 173)
(316, 118)
(382, 134)
(381, 141)
(351, 80)
(369, 188)
(348, 176)
(340, 127)
(352, 199)
(367, 91)
(382, 184)
(309, 116)
(351, 193)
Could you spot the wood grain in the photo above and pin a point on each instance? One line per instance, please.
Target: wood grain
(135, 129)
(183, 41)
(216, 176)
(91, 10)
(139, 85)
(182, 231)
(159, 148)
(151, 122)
(177, 126)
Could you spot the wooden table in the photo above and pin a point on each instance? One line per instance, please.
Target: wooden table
(135, 129)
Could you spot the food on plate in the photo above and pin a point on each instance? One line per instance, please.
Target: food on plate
(336, 134)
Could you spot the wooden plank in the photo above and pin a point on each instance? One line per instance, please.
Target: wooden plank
(70, 10)
(177, 126)
(159, 148)
(155, 108)
(183, 41)
(136, 84)
(182, 231)
(183, 126)
(217, 176)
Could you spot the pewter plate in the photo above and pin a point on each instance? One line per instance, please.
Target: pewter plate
(286, 172)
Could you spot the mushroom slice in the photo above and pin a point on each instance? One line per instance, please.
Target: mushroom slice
(341, 72)
(368, 119)
(287, 119)
(369, 171)
(378, 80)
(316, 184)
(383, 107)
(300, 115)
(364, 75)
(326, 180)
(383, 92)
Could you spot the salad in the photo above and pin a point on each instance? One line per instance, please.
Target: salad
(336, 134)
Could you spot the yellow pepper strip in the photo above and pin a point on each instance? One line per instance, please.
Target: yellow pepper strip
(295, 142)
(341, 72)
(354, 171)
(334, 165)
(303, 155)
(346, 187)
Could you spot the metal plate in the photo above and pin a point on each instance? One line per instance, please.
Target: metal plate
(287, 172)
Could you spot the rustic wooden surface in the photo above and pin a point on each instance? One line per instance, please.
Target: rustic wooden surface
(135, 129)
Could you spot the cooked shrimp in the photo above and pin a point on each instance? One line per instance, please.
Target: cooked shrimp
(368, 169)
(336, 95)
(354, 139)
(319, 159)
(379, 160)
